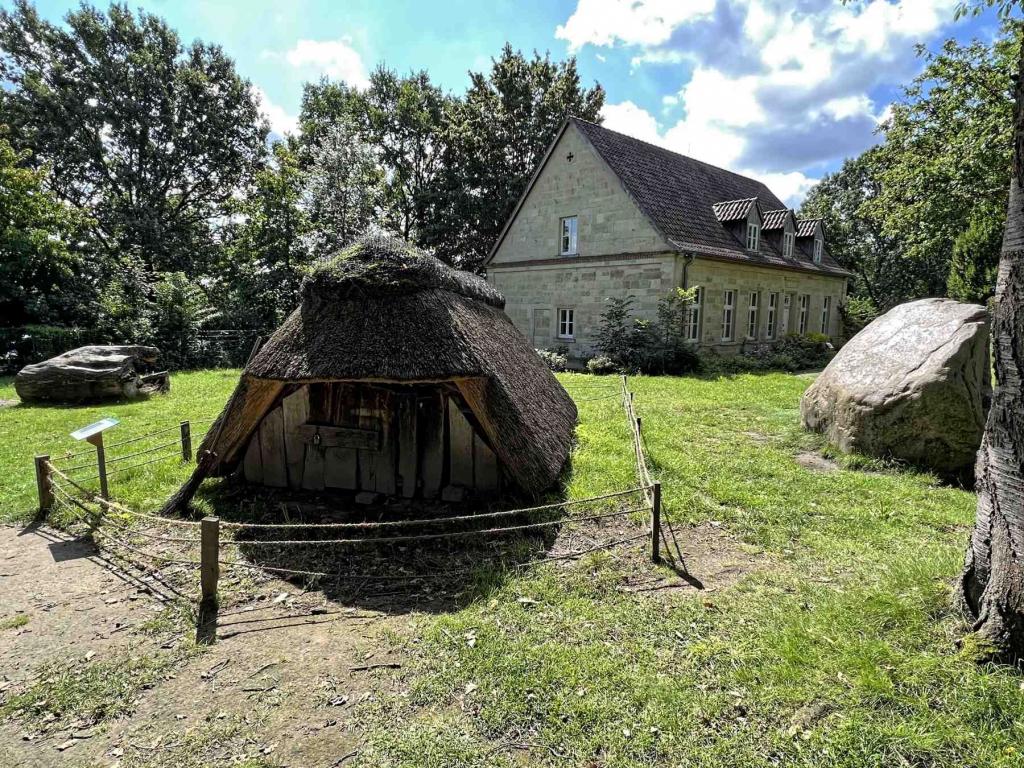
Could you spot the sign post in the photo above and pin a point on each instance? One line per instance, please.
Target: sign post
(93, 434)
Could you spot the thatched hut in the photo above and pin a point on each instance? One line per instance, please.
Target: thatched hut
(397, 375)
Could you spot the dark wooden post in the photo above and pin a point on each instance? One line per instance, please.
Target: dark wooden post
(186, 441)
(209, 573)
(656, 523)
(101, 463)
(43, 483)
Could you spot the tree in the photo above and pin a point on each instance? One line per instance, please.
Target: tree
(403, 118)
(342, 188)
(855, 240)
(944, 167)
(42, 274)
(494, 138)
(149, 136)
(992, 585)
(256, 282)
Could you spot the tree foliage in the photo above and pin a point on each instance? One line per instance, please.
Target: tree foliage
(921, 214)
(150, 136)
(42, 269)
(494, 138)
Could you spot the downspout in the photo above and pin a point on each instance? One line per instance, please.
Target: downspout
(687, 261)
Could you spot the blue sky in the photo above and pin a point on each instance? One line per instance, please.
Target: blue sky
(779, 89)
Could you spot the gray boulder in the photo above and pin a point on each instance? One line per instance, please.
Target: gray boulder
(92, 373)
(913, 385)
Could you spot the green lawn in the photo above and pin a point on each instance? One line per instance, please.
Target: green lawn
(842, 652)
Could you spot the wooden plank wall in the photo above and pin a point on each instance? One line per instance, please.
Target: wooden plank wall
(424, 438)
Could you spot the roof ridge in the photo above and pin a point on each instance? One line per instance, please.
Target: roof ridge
(670, 151)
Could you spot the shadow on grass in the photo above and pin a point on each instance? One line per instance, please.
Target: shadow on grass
(411, 563)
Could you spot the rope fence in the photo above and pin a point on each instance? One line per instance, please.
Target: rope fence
(105, 466)
(201, 546)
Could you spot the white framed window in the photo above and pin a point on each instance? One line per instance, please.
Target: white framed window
(729, 316)
(753, 236)
(773, 311)
(752, 316)
(818, 245)
(568, 228)
(566, 324)
(826, 314)
(805, 305)
(788, 239)
(691, 328)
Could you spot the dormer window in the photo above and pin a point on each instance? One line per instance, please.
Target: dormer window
(788, 239)
(568, 236)
(817, 250)
(753, 236)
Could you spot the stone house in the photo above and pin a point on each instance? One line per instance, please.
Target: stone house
(606, 215)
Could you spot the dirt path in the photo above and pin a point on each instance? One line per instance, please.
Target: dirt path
(277, 687)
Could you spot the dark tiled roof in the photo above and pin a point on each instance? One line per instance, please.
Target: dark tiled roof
(774, 219)
(734, 210)
(806, 227)
(679, 195)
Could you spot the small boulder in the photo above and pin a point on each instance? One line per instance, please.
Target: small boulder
(913, 385)
(92, 373)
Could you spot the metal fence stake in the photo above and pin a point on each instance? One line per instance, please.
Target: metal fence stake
(44, 483)
(186, 441)
(656, 523)
(209, 573)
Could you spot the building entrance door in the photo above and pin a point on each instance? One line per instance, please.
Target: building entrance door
(787, 302)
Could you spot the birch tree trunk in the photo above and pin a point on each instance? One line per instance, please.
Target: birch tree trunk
(992, 585)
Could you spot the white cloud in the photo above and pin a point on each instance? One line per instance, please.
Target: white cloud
(632, 120)
(849, 106)
(773, 88)
(790, 187)
(335, 58)
(644, 22)
(281, 122)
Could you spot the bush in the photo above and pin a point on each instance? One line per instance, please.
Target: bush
(601, 365)
(633, 344)
(793, 353)
(555, 359)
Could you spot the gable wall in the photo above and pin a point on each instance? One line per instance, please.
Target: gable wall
(609, 221)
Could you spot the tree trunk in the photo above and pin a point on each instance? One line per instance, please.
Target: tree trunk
(992, 585)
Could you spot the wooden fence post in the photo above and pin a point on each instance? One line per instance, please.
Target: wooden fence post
(656, 523)
(101, 463)
(186, 441)
(43, 483)
(209, 573)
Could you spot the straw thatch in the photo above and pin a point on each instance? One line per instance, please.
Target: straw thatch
(382, 311)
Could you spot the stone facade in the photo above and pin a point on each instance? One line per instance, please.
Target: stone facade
(717, 277)
(585, 187)
(621, 254)
(535, 293)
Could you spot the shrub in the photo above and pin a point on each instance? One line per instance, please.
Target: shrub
(634, 344)
(601, 365)
(555, 359)
(793, 353)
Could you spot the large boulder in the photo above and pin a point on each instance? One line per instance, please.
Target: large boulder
(92, 373)
(913, 385)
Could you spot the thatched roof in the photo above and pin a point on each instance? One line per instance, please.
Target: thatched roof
(383, 311)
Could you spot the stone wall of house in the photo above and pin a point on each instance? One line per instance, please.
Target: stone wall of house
(717, 277)
(609, 222)
(534, 294)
